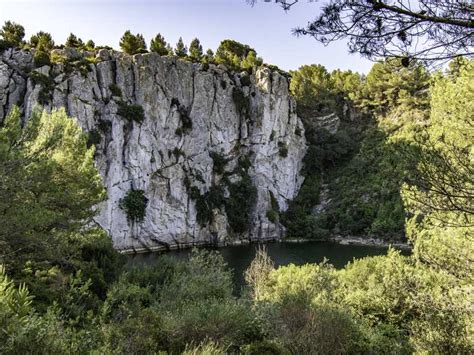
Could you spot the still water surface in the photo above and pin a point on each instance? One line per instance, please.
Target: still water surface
(238, 258)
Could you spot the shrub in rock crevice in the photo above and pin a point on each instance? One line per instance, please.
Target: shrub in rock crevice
(134, 205)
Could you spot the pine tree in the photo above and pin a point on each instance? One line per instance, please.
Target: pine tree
(74, 42)
(159, 45)
(210, 54)
(195, 50)
(132, 44)
(42, 160)
(251, 61)
(11, 35)
(90, 45)
(42, 40)
(181, 50)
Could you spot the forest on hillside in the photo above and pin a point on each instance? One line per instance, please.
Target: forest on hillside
(399, 166)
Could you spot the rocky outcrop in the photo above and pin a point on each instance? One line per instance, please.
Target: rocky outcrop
(206, 132)
(329, 122)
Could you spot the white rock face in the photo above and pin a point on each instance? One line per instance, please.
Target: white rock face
(163, 158)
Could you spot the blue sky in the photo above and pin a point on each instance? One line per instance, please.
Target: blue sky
(265, 27)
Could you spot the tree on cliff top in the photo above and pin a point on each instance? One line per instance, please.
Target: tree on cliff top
(159, 45)
(181, 50)
(11, 35)
(42, 40)
(236, 55)
(428, 30)
(132, 44)
(74, 42)
(195, 50)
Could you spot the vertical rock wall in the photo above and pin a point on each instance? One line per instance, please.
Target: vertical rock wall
(206, 133)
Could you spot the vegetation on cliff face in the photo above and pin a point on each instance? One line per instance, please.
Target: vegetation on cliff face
(362, 163)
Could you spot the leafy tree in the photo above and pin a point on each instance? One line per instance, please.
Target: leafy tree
(390, 84)
(440, 193)
(42, 40)
(11, 35)
(380, 29)
(210, 54)
(251, 61)
(41, 214)
(132, 44)
(181, 50)
(393, 291)
(232, 53)
(311, 86)
(90, 45)
(195, 50)
(346, 83)
(159, 45)
(74, 42)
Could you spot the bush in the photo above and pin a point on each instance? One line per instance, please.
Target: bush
(140, 334)
(41, 58)
(272, 216)
(240, 204)
(219, 163)
(242, 102)
(282, 149)
(115, 90)
(152, 277)
(93, 138)
(134, 204)
(132, 112)
(245, 80)
(212, 199)
(207, 348)
(45, 94)
(313, 330)
(197, 305)
(104, 126)
(186, 122)
(98, 260)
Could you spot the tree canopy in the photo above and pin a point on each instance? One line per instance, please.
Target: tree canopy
(159, 45)
(429, 30)
(236, 55)
(11, 35)
(132, 44)
(181, 50)
(195, 50)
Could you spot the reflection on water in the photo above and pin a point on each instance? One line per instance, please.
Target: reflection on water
(239, 257)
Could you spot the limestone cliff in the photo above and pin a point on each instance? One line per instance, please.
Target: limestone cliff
(204, 129)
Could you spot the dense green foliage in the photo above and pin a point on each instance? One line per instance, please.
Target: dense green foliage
(11, 35)
(73, 41)
(236, 55)
(195, 50)
(360, 167)
(131, 112)
(115, 90)
(49, 187)
(46, 83)
(159, 45)
(132, 44)
(42, 41)
(134, 204)
(181, 50)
